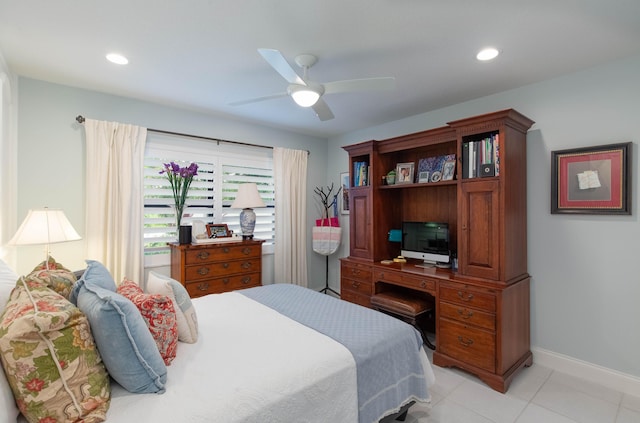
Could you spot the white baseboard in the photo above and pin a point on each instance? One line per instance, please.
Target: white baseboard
(612, 379)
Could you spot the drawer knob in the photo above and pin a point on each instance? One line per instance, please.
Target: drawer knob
(465, 342)
(225, 281)
(203, 271)
(423, 284)
(246, 251)
(466, 314)
(381, 275)
(225, 250)
(246, 265)
(225, 265)
(465, 296)
(203, 255)
(355, 272)
(204, 286)
(246, 280)
(355, 284)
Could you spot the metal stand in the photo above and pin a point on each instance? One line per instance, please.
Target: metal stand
(326, 284)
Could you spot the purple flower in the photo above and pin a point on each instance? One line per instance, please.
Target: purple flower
(180, 179)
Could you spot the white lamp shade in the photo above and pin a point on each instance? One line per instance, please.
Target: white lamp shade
(248, 197)
(44, 226)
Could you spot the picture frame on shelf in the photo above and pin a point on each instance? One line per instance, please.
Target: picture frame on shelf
(423, 176)
(591, 180)
(344, 201)
(218, 230)
(404, 173)
(448, 170)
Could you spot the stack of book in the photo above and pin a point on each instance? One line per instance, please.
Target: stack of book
(481, 158)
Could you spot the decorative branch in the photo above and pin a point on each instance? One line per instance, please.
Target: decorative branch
(324, 198)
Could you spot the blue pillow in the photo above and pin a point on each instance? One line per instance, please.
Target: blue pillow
(95, 274)
(124, 341)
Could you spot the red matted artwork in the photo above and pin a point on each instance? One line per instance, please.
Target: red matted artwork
(592, 180)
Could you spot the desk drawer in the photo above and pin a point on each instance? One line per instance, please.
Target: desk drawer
(352, 297)
(470, 345)
(414, 282)
(230, 252)
(462, 294)
(358, 286)
(216, 269)
(357, 272)
(224, 284)
(467, 315)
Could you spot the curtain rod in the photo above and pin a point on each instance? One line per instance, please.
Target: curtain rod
(80, 119)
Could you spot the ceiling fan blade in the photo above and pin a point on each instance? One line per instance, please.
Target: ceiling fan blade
(365, 84)
(322, 110)
(280, 64)
(257, 99)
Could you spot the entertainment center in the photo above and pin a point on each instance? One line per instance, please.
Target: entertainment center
(482, 307)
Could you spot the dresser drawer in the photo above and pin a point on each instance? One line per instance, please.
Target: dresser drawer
(217, 269)
(223, 284)
(399, 278)
(221, 253)
(470, 345)
(469, 297)
(467, 315)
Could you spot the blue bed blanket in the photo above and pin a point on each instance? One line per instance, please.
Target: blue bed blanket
(386, 350)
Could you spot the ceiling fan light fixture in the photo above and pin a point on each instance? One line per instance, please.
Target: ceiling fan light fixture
(488, 53)
(303, 96)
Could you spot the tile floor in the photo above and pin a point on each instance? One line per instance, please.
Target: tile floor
(537, 395)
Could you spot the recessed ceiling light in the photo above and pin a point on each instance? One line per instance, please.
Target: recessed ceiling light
(117, 59)
(487, 54)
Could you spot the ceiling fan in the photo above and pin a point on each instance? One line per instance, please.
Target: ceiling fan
(307, 93)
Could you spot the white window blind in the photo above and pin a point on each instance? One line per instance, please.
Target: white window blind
(221, 168)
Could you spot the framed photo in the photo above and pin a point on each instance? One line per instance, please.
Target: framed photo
(218, 230)
(404, 173)
(592, 180)
(448, 170)
(344, 183)
(423, 176)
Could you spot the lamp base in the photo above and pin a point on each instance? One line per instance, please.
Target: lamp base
(247, 237)
(247, 223)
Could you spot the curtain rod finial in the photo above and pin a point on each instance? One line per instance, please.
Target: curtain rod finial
(80, 119)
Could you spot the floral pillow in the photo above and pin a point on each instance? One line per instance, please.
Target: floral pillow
(185, 312)
(50, 358)
(159, 314)
(55, 276)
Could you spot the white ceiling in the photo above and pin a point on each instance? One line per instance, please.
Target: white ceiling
(202, 55)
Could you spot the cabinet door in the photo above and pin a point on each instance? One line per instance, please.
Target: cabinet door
(360, 234)
(479, 229)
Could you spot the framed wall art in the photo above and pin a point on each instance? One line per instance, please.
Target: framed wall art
(344, 183)
(591, 180)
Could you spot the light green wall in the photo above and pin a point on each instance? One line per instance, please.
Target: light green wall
(585, 269)
(51, 155)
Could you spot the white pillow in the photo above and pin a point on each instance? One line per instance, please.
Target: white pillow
(185, 312)
(8, 280)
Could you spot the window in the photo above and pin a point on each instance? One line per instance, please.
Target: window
(221, 168)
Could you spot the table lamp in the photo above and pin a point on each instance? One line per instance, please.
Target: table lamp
(247, 199)
(44, 226)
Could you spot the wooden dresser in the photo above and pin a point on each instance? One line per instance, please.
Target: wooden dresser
(214, 268)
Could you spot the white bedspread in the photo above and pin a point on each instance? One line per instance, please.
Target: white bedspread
(250, 364)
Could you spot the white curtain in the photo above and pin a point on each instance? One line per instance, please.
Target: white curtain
(115, 154)
(290, 179)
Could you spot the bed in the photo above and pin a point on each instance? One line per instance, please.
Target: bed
(283, 353)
